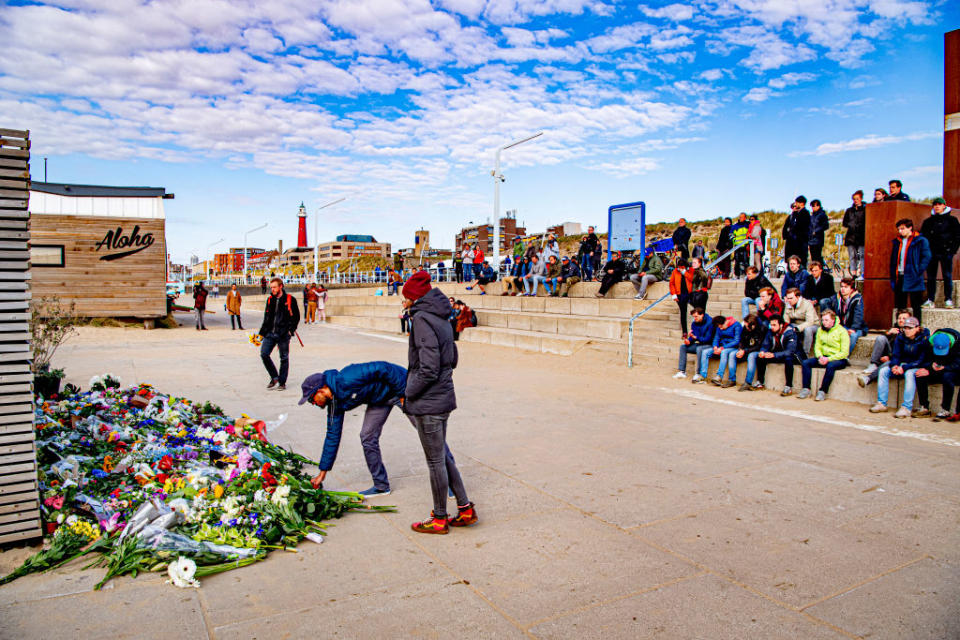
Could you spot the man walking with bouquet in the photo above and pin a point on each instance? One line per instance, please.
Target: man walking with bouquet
(280, 320)
(429, 397)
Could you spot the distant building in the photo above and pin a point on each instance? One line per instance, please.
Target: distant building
(483, 235)
(228, 262)
(352, 246)
(262, 260)
(566, 229)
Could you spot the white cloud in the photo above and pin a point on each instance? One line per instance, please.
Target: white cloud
(791, 79)
(626, 168)
(676, 12)
(870, 141)
(759, 94)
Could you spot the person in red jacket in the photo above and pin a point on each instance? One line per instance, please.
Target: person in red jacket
(681, 286)
(200, 305)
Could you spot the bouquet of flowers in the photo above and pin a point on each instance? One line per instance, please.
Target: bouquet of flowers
(152, 482)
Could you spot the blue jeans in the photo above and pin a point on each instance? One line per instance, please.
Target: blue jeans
(531, 284)
(467, 271)
(586, 267)
(266, 348)
(686, 349)
(854, 337)
(550, 284)
(751, 366)
(831, 367)
(745, 306)
(392, 288)
(909, 385)
(728, 360)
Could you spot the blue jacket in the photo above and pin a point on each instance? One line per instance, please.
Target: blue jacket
(911, 354)
(519, 269)
(570, 270)
(918, 257)
(487, 273)
(785, 346)
(819, 223)
(728, 338)
(703, 332)
(801, 280)
(369, 383)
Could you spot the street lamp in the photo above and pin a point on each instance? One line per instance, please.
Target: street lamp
(316, 237)
(497, 179)
(245, 248)
(209, 246)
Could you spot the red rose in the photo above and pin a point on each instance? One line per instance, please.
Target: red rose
(166, 463)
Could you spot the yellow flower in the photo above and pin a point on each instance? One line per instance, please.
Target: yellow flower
(218, 491)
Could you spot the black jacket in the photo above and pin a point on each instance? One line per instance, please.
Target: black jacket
(942, 232)
(855, 221)
(819, 223)
(432, 356)
(281, 316)
(591, 244)
(681, 236)
(725, 241)
(751, 288)
(950, 361)
(618, 266)
(796, 228)
(786, 345)
(817, 291)
(900, 196)
(752, 339)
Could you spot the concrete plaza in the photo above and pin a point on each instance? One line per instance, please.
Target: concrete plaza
(614, 503)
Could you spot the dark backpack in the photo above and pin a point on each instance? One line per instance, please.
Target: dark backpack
(473, 318)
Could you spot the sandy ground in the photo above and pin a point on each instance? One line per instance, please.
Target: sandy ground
(613, 503)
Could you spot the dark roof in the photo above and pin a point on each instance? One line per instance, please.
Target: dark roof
(95, 191)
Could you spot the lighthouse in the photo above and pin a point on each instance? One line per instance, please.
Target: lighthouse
(302, 227)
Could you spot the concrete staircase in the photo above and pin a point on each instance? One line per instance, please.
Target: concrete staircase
(566, 326)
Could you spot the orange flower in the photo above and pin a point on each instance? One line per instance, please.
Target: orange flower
(108, 463)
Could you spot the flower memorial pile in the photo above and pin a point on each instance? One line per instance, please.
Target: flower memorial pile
(156, 483)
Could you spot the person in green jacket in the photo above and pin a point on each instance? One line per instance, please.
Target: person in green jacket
(650, 271)
(831, 350)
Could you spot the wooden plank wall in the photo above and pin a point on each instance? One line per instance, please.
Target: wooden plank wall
(131, 286)
(19, 496)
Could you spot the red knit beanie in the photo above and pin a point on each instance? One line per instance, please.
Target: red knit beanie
(417, 286)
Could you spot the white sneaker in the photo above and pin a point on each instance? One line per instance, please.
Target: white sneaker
(679, 375)
(698, 379)
(948, 304)
(902, 412)
(928, 304)
(870, 369)
(878, 407)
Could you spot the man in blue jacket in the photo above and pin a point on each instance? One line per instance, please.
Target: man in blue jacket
(699, 339)
(781, 345)
(378, 385)
(819, 224)
(796, 276)
(910, 359)
(909, 258)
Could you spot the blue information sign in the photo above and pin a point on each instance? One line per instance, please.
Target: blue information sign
(626, 227)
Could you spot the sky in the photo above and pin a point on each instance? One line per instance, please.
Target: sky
(700, 109)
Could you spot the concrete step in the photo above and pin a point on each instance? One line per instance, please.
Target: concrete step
(554, 323)
(537, 341)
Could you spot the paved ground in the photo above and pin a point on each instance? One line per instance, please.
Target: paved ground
(610, 506)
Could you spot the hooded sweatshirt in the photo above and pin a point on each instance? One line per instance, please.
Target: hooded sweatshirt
(432, 356)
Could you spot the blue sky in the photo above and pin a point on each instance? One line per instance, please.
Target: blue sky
(243, 109)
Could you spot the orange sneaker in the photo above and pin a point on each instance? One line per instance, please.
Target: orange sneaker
(433, 525)
(466, 516)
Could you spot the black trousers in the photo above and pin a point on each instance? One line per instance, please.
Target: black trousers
(607, 282)
(699, 299)
(945, 264)
(239, 321)
(787, 368)
(799, 250)
(816, 254)
(916, 299)
(949, 381)
(682, 301)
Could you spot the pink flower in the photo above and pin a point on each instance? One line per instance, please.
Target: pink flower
(111, 524)
(56, 502)
(243, 459)
(229, 429)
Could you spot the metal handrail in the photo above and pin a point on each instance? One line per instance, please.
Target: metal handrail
(664, 297)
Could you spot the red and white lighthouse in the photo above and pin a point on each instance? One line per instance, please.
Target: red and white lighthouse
(302, 228)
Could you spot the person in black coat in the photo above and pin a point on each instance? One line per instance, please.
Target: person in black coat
(942, 231)
(681, 239)
(820, 285)
(944, 356)
(724, 244)
(855, 222)
(612, 274)
(280, 320)
(896, 192)
(819, 223)
(429, 397)
(796, 230)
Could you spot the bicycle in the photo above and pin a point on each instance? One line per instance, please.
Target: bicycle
(838, 265)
